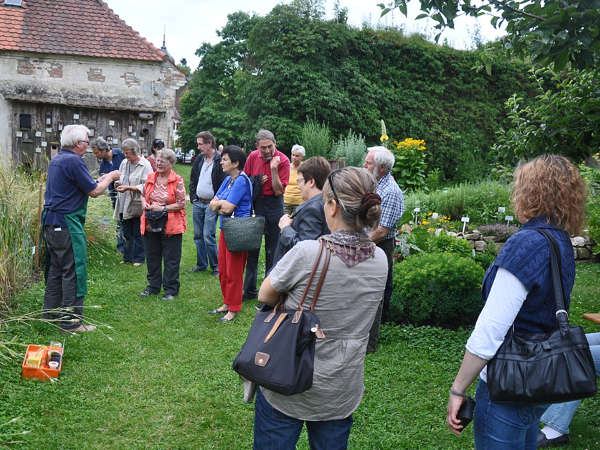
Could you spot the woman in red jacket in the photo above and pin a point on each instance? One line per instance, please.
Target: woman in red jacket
(164, 193)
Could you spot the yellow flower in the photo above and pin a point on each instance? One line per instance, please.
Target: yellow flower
(425, 222)
(430, 229)
(384, 138)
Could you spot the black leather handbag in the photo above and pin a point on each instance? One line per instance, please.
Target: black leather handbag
(157, 220)
(280, 349)
(546, 367)
(243, 234)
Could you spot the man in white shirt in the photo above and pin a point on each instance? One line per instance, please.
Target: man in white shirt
(205, 179)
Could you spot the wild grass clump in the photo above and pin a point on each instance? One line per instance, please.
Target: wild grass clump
(18, 229)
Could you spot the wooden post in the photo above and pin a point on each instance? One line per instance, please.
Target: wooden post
(36, 258)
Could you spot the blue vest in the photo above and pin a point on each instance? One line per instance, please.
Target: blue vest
(526, 255)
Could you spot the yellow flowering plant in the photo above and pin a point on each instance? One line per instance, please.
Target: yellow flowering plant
(410, 166)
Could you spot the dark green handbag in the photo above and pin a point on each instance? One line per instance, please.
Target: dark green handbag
(243, 234)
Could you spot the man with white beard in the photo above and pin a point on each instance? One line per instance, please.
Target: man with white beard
(379, 162)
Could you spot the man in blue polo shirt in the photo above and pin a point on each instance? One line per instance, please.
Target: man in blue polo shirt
(110, 159)
(67, 189)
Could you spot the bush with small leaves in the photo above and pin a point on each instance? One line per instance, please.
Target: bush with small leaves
(440, 289)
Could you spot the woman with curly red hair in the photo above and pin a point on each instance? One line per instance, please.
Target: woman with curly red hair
(548, 194)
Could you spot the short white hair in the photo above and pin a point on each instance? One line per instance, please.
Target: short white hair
(298, 149)
(72, 134)
(382, 157)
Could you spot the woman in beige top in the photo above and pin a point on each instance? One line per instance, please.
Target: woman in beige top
(134, 170)
(347, 305)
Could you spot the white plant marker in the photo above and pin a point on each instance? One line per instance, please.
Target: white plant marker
(508, 219)
(464, 220)
(416, 211)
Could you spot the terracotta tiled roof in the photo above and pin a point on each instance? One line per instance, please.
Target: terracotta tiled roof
(72, 27)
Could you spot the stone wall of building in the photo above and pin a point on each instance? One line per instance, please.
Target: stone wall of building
(145, 89)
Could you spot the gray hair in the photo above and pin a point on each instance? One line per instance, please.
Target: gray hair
(382, 157)
(101, 144)
(131, 144)
(298, 149)
(264, 134)
(73, 134)
(167, 154)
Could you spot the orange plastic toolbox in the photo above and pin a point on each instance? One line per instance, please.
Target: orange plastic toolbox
(37, 358)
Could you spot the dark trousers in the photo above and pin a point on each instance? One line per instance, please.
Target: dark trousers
(383, 312)
(61, 282)
(134, 244)
(160, 249)
(274, 430)
(120, 237)
(271, 208)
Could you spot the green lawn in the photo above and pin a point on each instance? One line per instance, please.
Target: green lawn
(161, 377)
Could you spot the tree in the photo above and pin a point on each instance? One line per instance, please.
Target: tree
(552, 31)
(563, 118)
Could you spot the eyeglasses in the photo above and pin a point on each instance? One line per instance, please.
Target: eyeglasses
(86, 142)
(330, 179)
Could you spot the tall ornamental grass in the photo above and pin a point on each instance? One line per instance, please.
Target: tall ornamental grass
(18, 228)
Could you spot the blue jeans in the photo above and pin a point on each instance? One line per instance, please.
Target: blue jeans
(559, 415)
(273, 430)
(506, 426)
(205, 223)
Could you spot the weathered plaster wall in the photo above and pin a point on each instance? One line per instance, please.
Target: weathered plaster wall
(88, 82)
(5, 131)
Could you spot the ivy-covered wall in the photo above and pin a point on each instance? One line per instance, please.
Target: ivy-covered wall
(277, 70)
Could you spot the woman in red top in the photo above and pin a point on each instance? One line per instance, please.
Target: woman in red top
(164, 191)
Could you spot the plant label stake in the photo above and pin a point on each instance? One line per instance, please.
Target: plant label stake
(434, 216)
(508, 219)
(417, 211)
(464, 220)
(501, 210)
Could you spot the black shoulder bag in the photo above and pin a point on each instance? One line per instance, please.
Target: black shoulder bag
(279, 352)
(545, 367)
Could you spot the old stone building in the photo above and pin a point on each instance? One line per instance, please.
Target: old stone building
(76, 61)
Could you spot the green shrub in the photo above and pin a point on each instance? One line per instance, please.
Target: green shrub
(439, 289)
(352, 147)
(479, 201)
(316, 139)
(486, 258)
(429, 242)
(592, 219)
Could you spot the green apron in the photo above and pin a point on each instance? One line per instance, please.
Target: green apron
(75, 222)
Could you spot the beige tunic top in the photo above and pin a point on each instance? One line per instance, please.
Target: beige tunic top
(129, 203)
(346, 308)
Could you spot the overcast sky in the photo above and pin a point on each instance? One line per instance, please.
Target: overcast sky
(189, 23)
